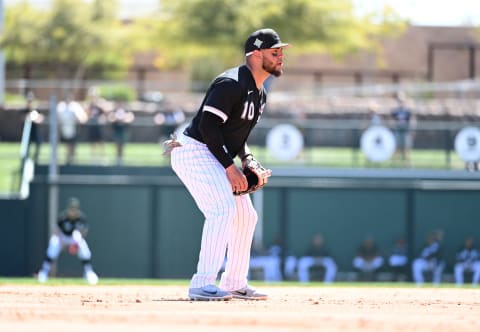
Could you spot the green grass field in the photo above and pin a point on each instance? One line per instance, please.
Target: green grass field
(185, 283)
(151, 155)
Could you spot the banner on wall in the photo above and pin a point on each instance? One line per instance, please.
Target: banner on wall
(285, 142)
(467, 144)
(378, 143)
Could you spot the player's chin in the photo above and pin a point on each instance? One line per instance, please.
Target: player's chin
(277, 73)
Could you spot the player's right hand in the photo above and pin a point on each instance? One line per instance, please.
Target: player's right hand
(237, 179)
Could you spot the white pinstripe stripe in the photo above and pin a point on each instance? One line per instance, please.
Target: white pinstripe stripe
(238, 254)
(217, 112)
(229, 220)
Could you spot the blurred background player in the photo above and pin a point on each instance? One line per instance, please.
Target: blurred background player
(70, 232)
(121, 119)
(403, 123)
(374, 117)
(430, 260)
(467, 259)
(70, 115)
(317, 255)
(96, 120)
(398, 260)
(368, 259)
(169, 120)
(269, 261)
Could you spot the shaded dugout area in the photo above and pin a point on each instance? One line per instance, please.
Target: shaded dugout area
(144, 224)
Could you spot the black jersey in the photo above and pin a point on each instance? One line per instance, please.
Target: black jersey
(234, 98)
(317, 251)
(431, 251)
(467, 255)
(67, 224)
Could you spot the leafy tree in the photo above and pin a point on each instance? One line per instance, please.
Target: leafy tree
(220, 26)
(19, 38)
(193, 32)
(85, 34)
(69, 33)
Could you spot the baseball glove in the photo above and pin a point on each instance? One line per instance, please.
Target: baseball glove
(257, 175)
(73, 249)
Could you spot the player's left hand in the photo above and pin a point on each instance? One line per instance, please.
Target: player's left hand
(256, 175)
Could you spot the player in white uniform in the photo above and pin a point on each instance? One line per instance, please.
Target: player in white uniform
(467, 259)
(204, 162)
(317, 255)
(430, 259)
(71, 231)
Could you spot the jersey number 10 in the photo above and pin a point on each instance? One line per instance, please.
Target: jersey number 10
(248, 111)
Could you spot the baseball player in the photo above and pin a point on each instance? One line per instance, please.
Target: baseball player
(203, 158)
(267, 260)
(430, 260)
(398, 259)
(270, 260)
(467, 259)
(368, 259)
(70, 233)
(70, 115)
(317, 255)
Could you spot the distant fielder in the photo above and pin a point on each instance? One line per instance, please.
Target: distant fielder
(70, 233)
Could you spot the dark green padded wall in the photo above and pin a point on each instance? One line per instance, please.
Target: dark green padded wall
(13, 241)
(119, 236)
(178, 234)
(153, 228)
(345, 218)
(272, 214)
(455, 212)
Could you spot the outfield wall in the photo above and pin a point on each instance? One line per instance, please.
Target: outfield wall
(144, 224)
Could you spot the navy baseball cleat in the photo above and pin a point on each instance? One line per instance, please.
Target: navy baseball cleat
(248, 293)
(208, 293)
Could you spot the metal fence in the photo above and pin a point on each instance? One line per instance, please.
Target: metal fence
(325, 143)
(331, 122)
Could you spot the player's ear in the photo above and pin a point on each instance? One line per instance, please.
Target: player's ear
(258, 53)
(254, 54)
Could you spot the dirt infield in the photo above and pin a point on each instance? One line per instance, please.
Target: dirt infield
(166, 308)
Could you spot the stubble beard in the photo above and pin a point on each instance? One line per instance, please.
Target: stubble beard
(271, 70)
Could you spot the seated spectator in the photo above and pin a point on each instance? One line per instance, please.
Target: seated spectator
(398, 260)
(368, 259)
(290, 261)
(467, 259)
(317, 255)
(430, 259)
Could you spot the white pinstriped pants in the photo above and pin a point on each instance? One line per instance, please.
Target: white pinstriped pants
(229, 220)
